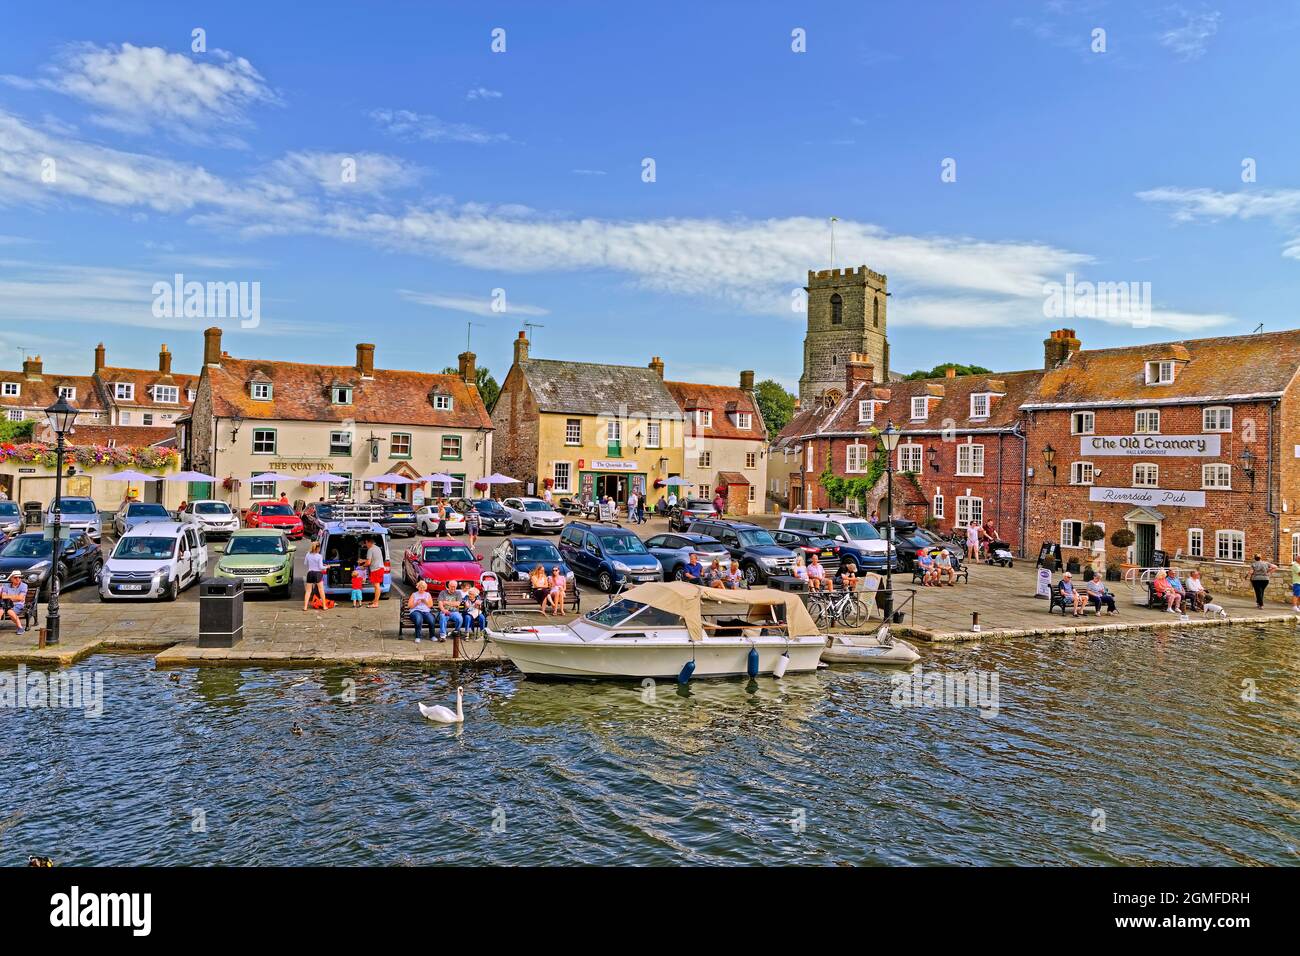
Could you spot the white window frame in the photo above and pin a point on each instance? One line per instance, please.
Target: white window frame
(1074, 539)
(146, 418)
(167, 394)
(190, 394)
(751, 459)
(866, 411)
(908, 451)
(1156, 372)
(17, 415)
(442, 403)
(1151, 470)
(1143, 416)
(857, 458)
(1219, 411)
(970, 504)
(975, 404)
(936, 506)
(1077, 429)
(261, 490)
(341, 395)
(339, 450)
(653, 435)
(1223, 543)
(1216, 476)
(66, 391)
(275, 440)
(614, 432)
(706, 459)
(744, 420)
(974, 467)
(261, 391)
(10, 389)
(124, 418)
(704, 417)
(568, 476)
(1196, 542)
(124, 391)
(1082, 473)
(1295, 546)
(573, 431)
(809, 458)
(924, 407)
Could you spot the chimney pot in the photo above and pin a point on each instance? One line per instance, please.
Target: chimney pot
(467, 362)
(950, 372)
(1058, 347)
(858, 369)
(366, 359)
(747, 380)
(33, 367)
(657, 364)
(99, 357)
(521, 347)
(211, 346)
(164, 360)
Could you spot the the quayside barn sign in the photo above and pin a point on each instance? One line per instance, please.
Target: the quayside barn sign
(1152, 497)
(1151, 446)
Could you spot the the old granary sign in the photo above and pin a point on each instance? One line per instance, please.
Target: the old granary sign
(1151, 446)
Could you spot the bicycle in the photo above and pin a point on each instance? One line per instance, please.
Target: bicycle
(836, 607)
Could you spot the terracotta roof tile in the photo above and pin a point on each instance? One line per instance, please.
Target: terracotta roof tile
(723, 401)
(123, 435)
(43, 393)
(143, 380)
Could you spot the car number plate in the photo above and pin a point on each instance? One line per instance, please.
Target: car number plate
(828, 553)
(130, 587)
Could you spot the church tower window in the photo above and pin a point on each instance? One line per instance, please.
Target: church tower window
(837, 310)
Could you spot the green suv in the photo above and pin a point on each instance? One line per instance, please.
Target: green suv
(260, 557)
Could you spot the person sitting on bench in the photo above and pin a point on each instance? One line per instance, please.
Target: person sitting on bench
(1197, 596)
(475, 618)
(449, 609)
(1078, 600)
(539, 585)
(13, 599)
(555, 598)
(420, 606)
(943, 568)
(816, 573)
(1165, 592)
(847, 578)
(1099, 597)
(714, 575)
(929, 574)
(693, 572)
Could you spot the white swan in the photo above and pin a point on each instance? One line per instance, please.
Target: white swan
(444, 715)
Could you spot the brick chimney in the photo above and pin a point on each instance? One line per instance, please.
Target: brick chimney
(858, 369)
(950, 372)
(211, 346)
(466, 362)
(747, 380)
(164, 360)
(99, 357)
(657, 365)
(366, 359)
(32, 368)
(1058, 347)
(521, 348)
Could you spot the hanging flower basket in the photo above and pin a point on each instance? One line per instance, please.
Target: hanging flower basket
(309, 484)
(548, 482)
(480, 486)
(661, 482)
(228, 482)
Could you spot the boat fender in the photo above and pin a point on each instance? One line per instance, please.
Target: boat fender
(782, 663)
(684, 677)
(751, 668)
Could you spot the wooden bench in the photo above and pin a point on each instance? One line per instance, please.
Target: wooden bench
(518, 596)
(404, 622)
(962, 573)
(30, 616)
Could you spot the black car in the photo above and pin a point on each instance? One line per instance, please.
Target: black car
(30, 553)
(807, 543)
(398, 517)
(683, 513)
(491, 516)
(517, 557)
(752, 547)
(910, 540)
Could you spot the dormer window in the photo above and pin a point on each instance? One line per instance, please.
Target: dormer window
(866, 411)
(341, 394)
(704, 417)
(1160, 373)
(442, 403)
(11, 390)
(979, 405)
(190, 394)
(166, 394)
(920, 408)
(67, 391)
(261, 391)
(744, 420)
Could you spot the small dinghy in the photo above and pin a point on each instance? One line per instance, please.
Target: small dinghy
(878, 648)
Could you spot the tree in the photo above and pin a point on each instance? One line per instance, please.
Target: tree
(487, 386)
(939, 371)
(16, 432)
(775, 404)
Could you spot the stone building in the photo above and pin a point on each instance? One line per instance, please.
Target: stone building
(846, 316)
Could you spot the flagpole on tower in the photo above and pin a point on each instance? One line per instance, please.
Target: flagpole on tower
(834, 220)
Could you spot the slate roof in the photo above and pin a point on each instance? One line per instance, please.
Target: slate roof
(723, 401)
(588, 388)
(1210, 369)
(301, 393)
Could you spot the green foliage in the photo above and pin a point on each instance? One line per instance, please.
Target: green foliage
(841, 489)
(17, 432)
(1092, 532)
(1122, 538)
(487, 386)
(939, 371)
(775, 404)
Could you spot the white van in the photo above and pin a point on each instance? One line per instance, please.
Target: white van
(154, 561)
(861, 545)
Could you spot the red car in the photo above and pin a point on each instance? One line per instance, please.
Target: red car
(273, 514)
(439, 560)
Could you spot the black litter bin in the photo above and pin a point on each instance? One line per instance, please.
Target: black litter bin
(33, 514)
(787, 582)
(221, 612)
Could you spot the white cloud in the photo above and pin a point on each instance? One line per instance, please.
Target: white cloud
(474, 305)
(410, 126)
(344, 172)
(1200, 203)
(1192, 38)
(138, 89)
(588, 172)
(483, 93)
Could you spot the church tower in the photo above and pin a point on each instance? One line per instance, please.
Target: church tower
(846, 315)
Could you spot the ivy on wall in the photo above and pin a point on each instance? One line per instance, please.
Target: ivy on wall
(840, 489)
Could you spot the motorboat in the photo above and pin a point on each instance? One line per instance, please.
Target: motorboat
(877, 648)
(656, 630)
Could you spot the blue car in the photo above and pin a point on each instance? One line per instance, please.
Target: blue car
(608, 555)
(341, 543)
(517, 557)
(674, 551)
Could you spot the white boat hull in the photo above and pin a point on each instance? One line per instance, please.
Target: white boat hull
(868, 649)
(557, 652)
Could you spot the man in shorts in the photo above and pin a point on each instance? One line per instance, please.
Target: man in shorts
(13, 599)
(374, 567)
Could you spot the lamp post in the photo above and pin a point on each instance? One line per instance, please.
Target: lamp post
(60, 416)
(1248, 466)
(889, 441)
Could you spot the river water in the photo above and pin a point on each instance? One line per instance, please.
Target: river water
(1132, 748)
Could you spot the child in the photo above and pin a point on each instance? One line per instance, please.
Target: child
(358, 582)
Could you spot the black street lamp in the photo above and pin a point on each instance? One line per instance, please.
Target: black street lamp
(60, 416)
(889, 441)
(1049, 459)
(1248, 466)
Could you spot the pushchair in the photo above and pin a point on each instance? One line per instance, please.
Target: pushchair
(999, 552)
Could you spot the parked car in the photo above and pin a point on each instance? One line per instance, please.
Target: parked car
(31, 553)
(516, 558)
(684, 512)
(426, 521)
(808, 544)
(491, 516)
(154, 561)
(11, 519)
(398, 517)
(608, 555)
(862, 548)
(133, 513)
(314, 517)
(341, 543)
(754, 548)
(78, 514)
(439, 560)
(261, 558)
(532, 514)
(274, 514)
(674, 551)
(216, 518)
(910, 539)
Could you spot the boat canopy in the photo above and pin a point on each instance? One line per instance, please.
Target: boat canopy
(693, 603)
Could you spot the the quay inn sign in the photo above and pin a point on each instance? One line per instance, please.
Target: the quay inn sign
(1150, 446)
(1154, 497)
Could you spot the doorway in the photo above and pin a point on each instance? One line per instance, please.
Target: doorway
(1144, 544)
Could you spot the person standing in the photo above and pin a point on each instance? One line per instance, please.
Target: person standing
(472, 525)
(631, 507)
(441, 530)
(719, 504)
(640, 517)
(973, 543)
(315, 576)
(1295, 584)
(1259, 574)
(375, 567)
(672, 500)
(420, 606)
(546, 495)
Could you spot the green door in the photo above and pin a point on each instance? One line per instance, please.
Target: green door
(200, 491)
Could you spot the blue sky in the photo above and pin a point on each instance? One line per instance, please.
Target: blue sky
(522, 170)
